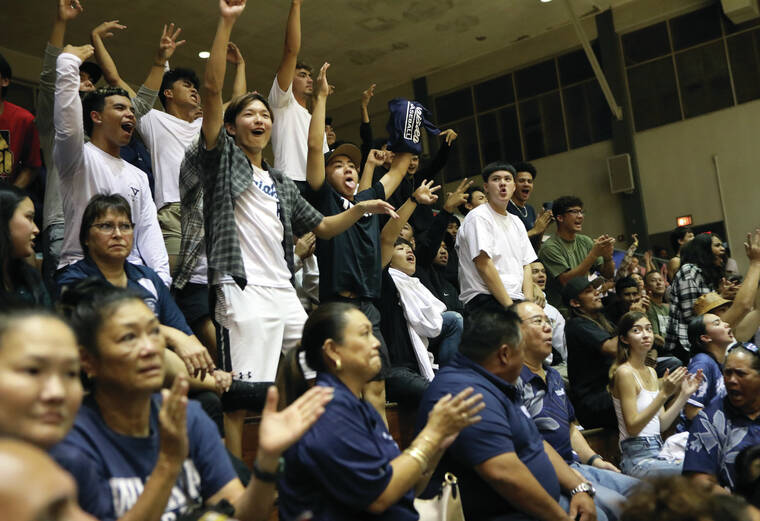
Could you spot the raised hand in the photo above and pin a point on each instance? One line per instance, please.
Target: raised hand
(375, 206)
(727, 289)
(168, 43)
(281, 429)
(367, 95)
(450, 135)
(69, 9)
(234, 55)
(231, 9)
(458, 197)
(451, 414)
(543, 221)
(106, 29)
(82, 52)
(377, 157)
(425, 193)
(752, 246)
(635, 239)
(321, 85)
(172, 422)
(671, 382)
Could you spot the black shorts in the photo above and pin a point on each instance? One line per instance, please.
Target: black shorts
(193, 301)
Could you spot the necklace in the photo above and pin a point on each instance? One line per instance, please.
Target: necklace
(521, 210)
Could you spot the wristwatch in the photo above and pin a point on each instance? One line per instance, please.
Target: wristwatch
(586, 487)
(268, 477)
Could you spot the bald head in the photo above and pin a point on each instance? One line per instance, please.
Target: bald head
(34, 487)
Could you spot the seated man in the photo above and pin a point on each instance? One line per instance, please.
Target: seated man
(658, 311)
(493, 247)
(569, 253)
(591, 348)
(729, 424)
(543, 394)
(558, 354)
(505, 469)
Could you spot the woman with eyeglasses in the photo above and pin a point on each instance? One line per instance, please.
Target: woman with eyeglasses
(729, 424)
(639, 400)
(106, 237)
(20, 284)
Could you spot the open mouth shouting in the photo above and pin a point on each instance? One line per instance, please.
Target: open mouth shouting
(128, 127)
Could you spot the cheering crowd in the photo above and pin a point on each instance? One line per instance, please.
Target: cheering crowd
(185, 283)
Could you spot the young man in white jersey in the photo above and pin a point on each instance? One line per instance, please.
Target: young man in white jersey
(86, 169)
(493, 247)
(291, 90)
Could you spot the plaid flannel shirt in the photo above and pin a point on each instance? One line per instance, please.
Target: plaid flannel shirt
(688, 285)
(210, 181)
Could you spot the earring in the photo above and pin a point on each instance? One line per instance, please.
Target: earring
(338, 365)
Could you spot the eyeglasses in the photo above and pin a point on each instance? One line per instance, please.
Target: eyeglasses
(575, 211)
(538, 320)
(109, 227)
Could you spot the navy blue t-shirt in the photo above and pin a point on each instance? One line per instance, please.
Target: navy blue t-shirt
(506, 427)
(143, 281)
(342, 464)
(712, 386)
(111, 469)
(527, 215)
(550, 408)
(350, 261)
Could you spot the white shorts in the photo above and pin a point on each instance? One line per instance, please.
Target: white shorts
(261, 323)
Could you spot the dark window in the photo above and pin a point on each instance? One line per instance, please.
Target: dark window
(653, 94)
(574, 67)
(456, 105)
(646, 44)
(744, 50)
(536, 80)
(543, 126)
(696, 27)
(464, 160)
(494, 93)
(588, 115)
(500, 135)
(703, 78)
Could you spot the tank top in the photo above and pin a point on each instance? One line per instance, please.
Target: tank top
(643, 399)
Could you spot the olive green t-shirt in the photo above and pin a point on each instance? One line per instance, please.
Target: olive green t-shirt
(559, 256)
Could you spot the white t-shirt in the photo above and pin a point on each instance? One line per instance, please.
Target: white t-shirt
(290, 132)
(167, 137)
(86, 170)
(501, 237)
(260, 233)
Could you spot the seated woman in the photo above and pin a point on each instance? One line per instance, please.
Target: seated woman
(106, 237)
(639, 400)
(139, 455)
(39, 377)
(727, 425)
(709, 337)
(348, 466)
(20, 283)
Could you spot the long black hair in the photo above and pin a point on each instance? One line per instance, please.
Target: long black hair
(699, 252)
(14, 272)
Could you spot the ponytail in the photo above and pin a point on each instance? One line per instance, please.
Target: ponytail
(291, 382)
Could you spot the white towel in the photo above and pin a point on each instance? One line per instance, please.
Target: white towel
(424, 316)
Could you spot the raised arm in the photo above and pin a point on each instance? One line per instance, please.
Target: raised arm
(166, 47)
(315, 159)
(67, 10)
(213, 79)
(425, 194)
(67, 116)
(102, 56)
(393, 178)
(745, 297)
(287, 69)
(239, 82)
(331, 226)
(365, 129)
(372, 160)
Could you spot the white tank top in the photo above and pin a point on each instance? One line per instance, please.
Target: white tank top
(643, 399)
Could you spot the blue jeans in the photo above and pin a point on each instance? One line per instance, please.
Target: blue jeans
(451, 334)
(639, 458)
(611, 488)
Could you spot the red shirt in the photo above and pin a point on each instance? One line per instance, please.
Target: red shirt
(19, 142)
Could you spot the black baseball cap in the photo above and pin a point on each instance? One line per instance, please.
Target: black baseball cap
(575, 287)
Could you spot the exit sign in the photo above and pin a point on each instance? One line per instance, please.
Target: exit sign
(684, 220)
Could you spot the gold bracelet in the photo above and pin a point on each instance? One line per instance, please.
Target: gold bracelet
(419, 456)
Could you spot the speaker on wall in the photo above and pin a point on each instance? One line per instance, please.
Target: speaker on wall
(621, 175)
(740, 11)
